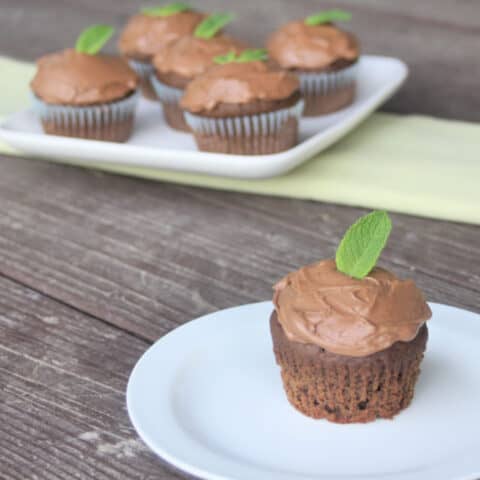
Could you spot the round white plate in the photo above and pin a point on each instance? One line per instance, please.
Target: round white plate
(208, 399)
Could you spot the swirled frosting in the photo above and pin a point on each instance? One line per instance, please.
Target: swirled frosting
(238, 83)
(72, 78)
(311, 47)
(320, 305)
(145, 35)
(191, 56)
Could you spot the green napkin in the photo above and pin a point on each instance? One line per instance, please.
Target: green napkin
(410, 164)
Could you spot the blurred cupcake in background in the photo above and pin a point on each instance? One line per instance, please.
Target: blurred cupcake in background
(150, 30)
(244, 106)
(82, 93)
(181, 61)
(323, 56)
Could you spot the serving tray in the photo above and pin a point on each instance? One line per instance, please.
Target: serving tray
(155, 145)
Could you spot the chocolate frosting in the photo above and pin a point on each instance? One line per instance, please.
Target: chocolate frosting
(238, 83)
(311, 47)
(72, 78)
(320, 305)
(191, 56)
(145, 35)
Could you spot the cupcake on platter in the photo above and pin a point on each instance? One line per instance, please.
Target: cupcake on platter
(349, 336)
(181, 61)
(323, 56)
(149, 31)
(243, 106)
(82, 93)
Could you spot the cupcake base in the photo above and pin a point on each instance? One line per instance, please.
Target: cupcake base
(332, 102)
(144, 70)
(283, 139)
(327, 91)
(175, 117)
(248, 134)
(344, 389)
(170, 97)
(111, 122)
(113, 132)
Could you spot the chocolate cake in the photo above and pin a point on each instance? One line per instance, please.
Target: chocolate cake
(147, 33)
(244, 108)
(179, 63)
(349, 349)
(85, 96)
(324, 57)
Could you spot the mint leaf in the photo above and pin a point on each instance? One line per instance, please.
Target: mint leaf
(212, 25)
(166, 10)
(227, 58)
(362, 244)
(248, 55)
(93, 38)
(328, 16)
(252, 55)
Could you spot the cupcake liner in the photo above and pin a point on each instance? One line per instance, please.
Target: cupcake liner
(166, 93)
(314, 83)
(245, 125)
(144, 70)
(258, 134)
(347, 389)
(109, 121)
(170, 98)
(326, 92)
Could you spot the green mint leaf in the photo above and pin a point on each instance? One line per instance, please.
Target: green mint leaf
(227, 58)
(248, 55)
(328, 16)
(93, 38)
(166, 10)
(252, 55)
(362, 244)
(212, 25)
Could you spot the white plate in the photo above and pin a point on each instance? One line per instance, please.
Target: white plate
(208, 399)
(155, 145)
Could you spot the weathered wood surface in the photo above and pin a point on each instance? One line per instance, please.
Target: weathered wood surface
(93, 267)
(62, 407)
(148, 256)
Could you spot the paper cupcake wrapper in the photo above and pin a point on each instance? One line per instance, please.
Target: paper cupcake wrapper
(85, 116)
(142, 69)
(244, 125)
(165, 93)
(326, 82)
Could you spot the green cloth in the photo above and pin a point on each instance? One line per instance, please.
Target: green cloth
(410, 164)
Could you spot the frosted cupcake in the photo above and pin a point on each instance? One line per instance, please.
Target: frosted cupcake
(149, 31)
(243, 106)
(82, 93)
(181, 61)
(349, 337)
(323, 56)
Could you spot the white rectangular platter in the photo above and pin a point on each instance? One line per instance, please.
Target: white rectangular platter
(153, 144)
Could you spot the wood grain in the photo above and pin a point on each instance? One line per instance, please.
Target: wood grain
(62, 407)
(148, 256)
(438, 39)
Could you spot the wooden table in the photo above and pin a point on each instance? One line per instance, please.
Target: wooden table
(95, 267)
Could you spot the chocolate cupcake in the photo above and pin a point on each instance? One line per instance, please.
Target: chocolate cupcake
(323, 56)
(188, 57)
(349, 348)
(79, 93)
(149, 31)
(243, 106)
